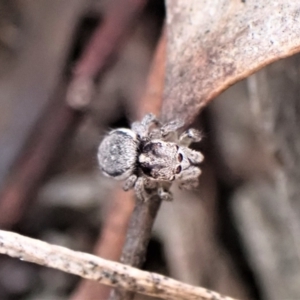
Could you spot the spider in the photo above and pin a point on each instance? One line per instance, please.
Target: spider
(150, 156)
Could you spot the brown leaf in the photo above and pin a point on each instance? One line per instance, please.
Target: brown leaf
(213, 44)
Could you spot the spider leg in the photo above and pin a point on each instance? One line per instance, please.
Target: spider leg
(145, 189)
(169, 130)
(194, 157)
(142, 128)
(189, 136)
(188, 179)
(129, 183)
(149, 119)
(164, 195)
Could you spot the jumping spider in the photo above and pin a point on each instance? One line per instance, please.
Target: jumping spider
(149, 159)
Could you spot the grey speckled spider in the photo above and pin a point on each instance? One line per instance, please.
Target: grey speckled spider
(150, 156)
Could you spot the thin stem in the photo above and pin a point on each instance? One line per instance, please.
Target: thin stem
(101, 270)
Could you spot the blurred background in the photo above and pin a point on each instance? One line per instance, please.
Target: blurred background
(238, 234)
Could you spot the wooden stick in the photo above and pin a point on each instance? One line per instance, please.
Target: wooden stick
(142, 219)
(101, 270)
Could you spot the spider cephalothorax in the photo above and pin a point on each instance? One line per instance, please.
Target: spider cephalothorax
(149, 159)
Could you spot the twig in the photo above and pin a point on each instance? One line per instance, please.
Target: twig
(110, 243)
(143, 216)
(137, 240)
(33, 163)
(151, 102)
(103, 45)
(101, 270)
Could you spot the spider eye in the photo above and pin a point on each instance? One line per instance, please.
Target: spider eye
(147, 148)
(178, 170)
(180, 157)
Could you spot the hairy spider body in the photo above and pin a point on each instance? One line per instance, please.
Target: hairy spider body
(150, 159)
(118, 153)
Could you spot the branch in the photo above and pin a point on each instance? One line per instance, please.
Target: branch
(152, 99)
(142, 219)
(34, 161)
(101, 270)
(110, 241)
(137, 239)
(103, 45)
(32, 164)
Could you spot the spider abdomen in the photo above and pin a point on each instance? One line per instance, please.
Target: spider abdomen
(117, 153)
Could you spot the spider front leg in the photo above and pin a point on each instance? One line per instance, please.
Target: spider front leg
(149, 119)
(189, 178)
(189, 136)
(142, 128)
(145, 189)
(169, 130)
(164, 194)
(194, 157)
(129, 183)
